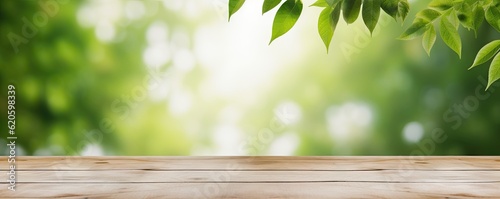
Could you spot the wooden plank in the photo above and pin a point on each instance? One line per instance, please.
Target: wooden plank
(257, 190)
(256, 163)
(254, 177)
(153, 176)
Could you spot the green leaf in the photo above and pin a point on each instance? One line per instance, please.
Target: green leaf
(332, 2)
(464, 15)
(428, 14)
(486, 53)
(450, 36)
(403, 9)
(286, 17)
(371, 13)
(494, 73)
(478, 17)
(234, 6)
(453, 19)
(269, 5)
(327, 22)
(429, 39)
(493, 17)
(390, 7)
(325, 29)
(320, 3)
(471, 1)
(396, 8)
(441, 4)
(350, 10)
(416, 29)
(335, 16)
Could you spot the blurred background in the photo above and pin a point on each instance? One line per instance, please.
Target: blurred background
(174, 77)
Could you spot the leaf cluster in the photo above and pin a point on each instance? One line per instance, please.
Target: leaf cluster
(447, 15)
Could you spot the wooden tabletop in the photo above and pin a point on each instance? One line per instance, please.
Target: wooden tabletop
(254, 177)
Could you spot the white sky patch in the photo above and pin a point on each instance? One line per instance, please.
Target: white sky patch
(105, 31)
(192, 8)
(184, 60)
(174, 5)
(237, 57)
(349, 120)
(156, 55)
(227, 140)
(102, 15)
(160, 90)
(92, 150)
(134, 9)
(157, 32)
(159, 83)
(158, 51)
(413, 132)
(288, 112)
(284, 145)
(180, 101)
(86, 17)
(110, 10)
(180, 39)
(230, 114)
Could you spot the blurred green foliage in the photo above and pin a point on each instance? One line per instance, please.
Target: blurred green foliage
(74, 89)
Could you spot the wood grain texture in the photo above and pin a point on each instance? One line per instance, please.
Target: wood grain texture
(254, 177)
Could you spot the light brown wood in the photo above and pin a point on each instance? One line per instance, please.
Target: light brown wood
(154, 176)
(256, 163)
(254, 177)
